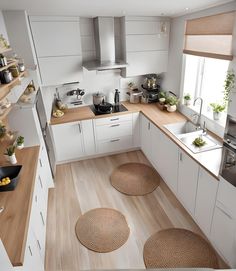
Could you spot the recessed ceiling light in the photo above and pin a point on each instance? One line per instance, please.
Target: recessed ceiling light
(186, 8)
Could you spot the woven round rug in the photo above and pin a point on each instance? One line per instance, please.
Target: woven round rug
(102, 230)
(135, 179)
(178, 248)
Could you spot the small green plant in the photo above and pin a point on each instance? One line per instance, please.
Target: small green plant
(229, 85)
(199, 142)
(217, 108)
(10, 150)
(172, 100)
(3, 130)
(162, 94)
(20, 140)
(187, 97)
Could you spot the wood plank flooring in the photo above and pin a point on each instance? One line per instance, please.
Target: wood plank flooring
(84, 185)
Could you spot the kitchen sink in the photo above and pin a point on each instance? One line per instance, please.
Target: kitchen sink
(187, 132)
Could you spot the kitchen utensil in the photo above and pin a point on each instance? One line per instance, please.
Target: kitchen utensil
(104, 107)
(117, 97)
(134, 96)
(12, 172)
(98, 98)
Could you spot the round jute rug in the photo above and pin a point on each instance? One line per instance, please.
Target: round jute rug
(102, 230)
(135, 179)
(178, 248)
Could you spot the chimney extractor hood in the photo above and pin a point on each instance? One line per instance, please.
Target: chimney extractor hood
(105, 46)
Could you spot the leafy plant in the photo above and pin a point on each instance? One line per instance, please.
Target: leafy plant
(172, 100)
(20, 140)
(162, 94)
(217, 108)
(229, 85)
(131, 84)
(199, 142)
(10, 150)
(3, 130)
(187, 97)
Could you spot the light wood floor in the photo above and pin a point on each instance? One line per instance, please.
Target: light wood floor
(84, 185)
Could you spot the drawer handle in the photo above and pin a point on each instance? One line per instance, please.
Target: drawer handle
(40, 180)
(41, 164)
(115, 125)
(42, 218)
(149, 126)
(30, 251)
(80, 130)
(36, 198)
(115, 140)
(39, 244)
(114, 119)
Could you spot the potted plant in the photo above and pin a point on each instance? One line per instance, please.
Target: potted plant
(10, 153)
(217, 109)
(3, 131)
(20, 142)
(229, 85)
(171, 103)
(187, 99)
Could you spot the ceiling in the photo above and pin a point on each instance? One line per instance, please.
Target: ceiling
(93, 8)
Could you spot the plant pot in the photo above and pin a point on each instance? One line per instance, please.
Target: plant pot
(187, 102)
(20, 147)
(216, 115)
(171, 108)
(12, 159)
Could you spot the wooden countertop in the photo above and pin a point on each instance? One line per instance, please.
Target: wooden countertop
(210, 160)
(14, 220)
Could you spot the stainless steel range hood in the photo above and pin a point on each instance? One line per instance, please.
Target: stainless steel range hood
(105, 46)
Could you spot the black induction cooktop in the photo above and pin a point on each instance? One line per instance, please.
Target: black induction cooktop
(115, 109)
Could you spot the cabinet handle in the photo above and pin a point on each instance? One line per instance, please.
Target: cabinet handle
(42, 218)
(40, 180)
(40, 162)
(115, 140)
(36, 198)
(80, 130)
(114, 119)
(180, 156)
(30, 251)
(224, 212)
(149, 126)
(115, 125)
(39, 244)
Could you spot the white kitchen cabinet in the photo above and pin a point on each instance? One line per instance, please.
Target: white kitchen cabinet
(232, 104)
(88, 135)
(187, 181)
(145, 132)
(205, 200)
(4, 260)
(68, 141)
(161, 151)
(114, 144)
(136, 130)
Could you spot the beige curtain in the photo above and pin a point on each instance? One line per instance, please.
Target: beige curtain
(210, 36)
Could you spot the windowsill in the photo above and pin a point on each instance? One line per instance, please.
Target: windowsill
(215, 126)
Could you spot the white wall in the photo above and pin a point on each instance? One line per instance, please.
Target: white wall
(3, 30)
(173, 76)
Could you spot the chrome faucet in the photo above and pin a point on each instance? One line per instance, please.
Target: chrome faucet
(198, 123)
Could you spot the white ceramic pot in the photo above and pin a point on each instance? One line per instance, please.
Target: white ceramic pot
(20, 147)
(12, 159)
(216, 115)
(171, 108)
(187, 102)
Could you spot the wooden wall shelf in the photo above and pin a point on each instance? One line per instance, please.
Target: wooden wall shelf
(5, 50)
(11, 63)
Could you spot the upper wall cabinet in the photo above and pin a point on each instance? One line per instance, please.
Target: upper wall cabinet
(58, 48)
(145, 44)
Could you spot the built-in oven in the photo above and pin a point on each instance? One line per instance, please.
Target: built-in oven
(230, 129)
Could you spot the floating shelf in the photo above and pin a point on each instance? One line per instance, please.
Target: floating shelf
(11, 63)
(5, 50)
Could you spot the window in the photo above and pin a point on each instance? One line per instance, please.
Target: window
(204, 77)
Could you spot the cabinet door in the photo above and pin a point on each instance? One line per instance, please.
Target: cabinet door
(146, 137)
(45, 167)
(205, 200)
(56, 38)
(60, 70)
(68, 141)
(223, 235)
(157, 151)
(187, 181)
(232, 104)
(88, 137)
(136, 130)
(141, 63)
(4, 260)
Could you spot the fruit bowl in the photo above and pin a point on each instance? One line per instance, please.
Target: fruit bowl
(11, 172)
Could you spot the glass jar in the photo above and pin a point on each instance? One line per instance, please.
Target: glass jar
(21, 65)
(6, 77)
(14, 70)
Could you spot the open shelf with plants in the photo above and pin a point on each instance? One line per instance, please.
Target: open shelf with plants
(10, 64)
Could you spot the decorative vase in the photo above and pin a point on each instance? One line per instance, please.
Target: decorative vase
(187, 102)
(12, 159)
(171, 108)
(216, 115)
(20, 147)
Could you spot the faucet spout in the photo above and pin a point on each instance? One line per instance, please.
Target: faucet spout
(200, 112)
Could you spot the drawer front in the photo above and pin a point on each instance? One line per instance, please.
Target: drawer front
(114, 130)
(116, 144)
(113, 119)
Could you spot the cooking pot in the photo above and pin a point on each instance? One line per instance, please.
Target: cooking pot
(104, 107)
(134, 96)
(98, 98)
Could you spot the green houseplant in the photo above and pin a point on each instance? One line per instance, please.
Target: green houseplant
(217, 109)
(20, 142)
(187, 99)
(229, 84)
(10, 154)
(171, 103)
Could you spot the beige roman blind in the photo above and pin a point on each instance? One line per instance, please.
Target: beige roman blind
(210, 36)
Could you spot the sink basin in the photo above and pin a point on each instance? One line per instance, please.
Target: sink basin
(186, 132)
(182, 127)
